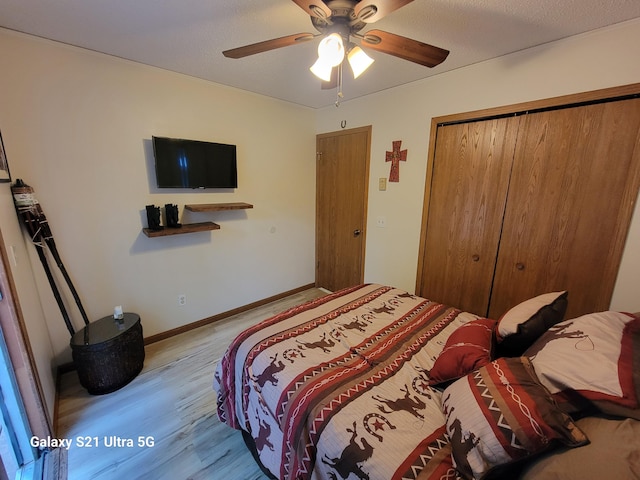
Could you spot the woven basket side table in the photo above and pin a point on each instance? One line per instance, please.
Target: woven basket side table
(108, 353)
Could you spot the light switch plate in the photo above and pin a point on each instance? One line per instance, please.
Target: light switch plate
(382, 184)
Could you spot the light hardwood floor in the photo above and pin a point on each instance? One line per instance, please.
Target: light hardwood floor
(170, 408)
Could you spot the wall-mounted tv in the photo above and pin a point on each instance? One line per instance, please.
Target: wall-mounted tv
(184, 163)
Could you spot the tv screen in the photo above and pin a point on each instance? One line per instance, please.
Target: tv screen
(194, 164)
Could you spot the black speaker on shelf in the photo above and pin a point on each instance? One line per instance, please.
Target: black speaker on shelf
(171, 212)
(153, 217)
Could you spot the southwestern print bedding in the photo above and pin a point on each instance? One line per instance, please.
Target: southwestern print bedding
(338, 388)
(352, 385)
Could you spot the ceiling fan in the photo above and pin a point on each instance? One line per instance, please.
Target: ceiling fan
(339, 21)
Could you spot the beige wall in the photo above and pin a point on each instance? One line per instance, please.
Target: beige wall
(77, 127)
(603, 58)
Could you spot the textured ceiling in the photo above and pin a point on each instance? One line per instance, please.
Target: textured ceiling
(188, 36)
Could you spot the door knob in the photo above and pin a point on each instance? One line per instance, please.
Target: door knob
(520, 266)
(475, 257)
(356, 232)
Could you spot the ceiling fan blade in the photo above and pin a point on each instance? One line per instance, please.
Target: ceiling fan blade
(370, 11)
(405, 48)
(315, 8)
(267, 45)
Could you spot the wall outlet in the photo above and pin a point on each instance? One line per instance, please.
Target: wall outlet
(182, 299)
(381, 222)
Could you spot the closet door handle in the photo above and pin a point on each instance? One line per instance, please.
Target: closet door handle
(475, 257)
(520, 266)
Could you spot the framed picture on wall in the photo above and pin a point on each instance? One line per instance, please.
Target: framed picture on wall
(4, 165)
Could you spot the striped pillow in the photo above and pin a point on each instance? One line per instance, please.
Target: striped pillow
(500, 414)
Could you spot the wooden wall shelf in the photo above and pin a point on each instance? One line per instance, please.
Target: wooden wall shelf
(215, 207)
(197, 227)
(186, 228)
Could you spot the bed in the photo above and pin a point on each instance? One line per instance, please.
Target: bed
(372, 382)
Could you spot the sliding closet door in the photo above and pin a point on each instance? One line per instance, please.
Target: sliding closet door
(575, 180)
(471, 169)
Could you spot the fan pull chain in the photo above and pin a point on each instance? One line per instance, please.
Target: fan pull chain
(339, 95)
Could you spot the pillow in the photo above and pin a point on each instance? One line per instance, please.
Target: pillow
(501, 414)
(524, 323)
(596, 357)
(468, 348)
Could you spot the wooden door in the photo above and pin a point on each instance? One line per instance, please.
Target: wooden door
(470, 179)
(574, 183)
(341, 206)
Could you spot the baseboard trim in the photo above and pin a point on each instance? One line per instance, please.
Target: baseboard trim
(221, 316)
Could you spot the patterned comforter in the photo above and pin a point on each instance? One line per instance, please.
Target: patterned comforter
(337, 388)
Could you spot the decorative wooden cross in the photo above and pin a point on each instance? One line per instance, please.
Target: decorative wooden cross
(395, 157)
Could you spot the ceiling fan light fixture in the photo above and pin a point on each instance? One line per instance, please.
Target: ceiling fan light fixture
(322, 69)
(331, 49)
(359, 61)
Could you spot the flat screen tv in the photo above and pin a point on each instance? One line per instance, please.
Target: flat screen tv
(184, 163)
